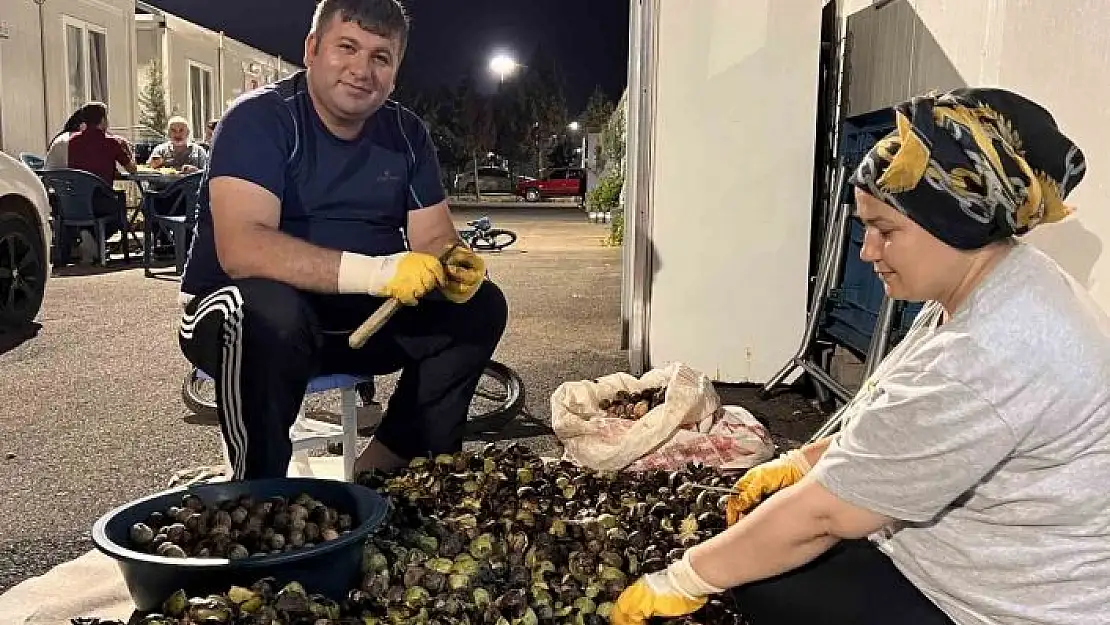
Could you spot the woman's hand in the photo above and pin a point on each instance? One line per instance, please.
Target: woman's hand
(676, 591)
(765, 480)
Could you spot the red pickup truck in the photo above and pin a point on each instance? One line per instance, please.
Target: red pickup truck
(557, 182)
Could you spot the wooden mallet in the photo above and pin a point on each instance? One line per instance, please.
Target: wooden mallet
(386, 311)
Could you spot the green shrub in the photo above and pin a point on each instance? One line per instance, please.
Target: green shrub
(607, 194)
(616, 228)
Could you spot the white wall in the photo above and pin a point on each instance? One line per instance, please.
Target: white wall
(245, 68)
(21, 82)
(235, 66)
(1055, 56)
(731, 183)
(186, 44)
(29, 120)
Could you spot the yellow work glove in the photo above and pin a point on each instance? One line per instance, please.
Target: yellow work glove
(465, 272)
(675, 591)
(763, 481)
(407, 276)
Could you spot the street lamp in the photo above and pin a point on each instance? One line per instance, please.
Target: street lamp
(573, 126)
(502, 65)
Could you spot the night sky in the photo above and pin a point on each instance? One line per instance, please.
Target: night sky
(588, 38)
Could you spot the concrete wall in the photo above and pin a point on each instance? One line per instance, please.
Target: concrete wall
(1054, 56)
(732, 138)
(32, 87)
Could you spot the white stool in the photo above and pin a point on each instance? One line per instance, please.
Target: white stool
(308, 433)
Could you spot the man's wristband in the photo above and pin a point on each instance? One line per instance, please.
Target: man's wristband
(362, 275)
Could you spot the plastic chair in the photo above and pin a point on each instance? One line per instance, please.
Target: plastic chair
(75, 191)
(176, 211)
(32, 160)
(308, 433)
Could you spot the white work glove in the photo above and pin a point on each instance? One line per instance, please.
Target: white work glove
(407, 276)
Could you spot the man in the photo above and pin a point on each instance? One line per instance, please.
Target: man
(180, 152)
(322, 198)
(96, 151)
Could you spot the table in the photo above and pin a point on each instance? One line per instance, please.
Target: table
(137, 186)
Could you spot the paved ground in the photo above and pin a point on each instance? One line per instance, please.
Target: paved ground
(90, 409)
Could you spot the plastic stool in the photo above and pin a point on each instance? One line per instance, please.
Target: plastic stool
(308, 433)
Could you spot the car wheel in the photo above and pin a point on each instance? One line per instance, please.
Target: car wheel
(22, 269)
(532, 195)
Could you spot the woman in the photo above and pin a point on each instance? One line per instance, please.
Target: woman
(57, 155)
(180, 152)
(976, 458)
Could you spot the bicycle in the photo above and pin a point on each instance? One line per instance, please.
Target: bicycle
(481, 235)
(498, 398)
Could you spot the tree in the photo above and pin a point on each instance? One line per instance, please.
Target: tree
(475, 123)
(152, 100)
(613, 139)
(598, 111)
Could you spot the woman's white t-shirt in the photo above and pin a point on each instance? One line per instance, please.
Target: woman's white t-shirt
(988, 438)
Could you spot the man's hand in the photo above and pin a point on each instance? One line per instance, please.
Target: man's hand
(465, 272)
(763, 481)
(407, 276)
(676, 591)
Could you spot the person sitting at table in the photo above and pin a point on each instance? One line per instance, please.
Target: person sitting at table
(180, 152)
(969, 483)
(98, 152)
(57, 155)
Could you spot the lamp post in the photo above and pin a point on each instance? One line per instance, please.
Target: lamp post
(502, 65)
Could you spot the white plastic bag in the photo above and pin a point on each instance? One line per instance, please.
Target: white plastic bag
(689, 426)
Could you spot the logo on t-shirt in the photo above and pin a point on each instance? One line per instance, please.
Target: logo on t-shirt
(388, 176)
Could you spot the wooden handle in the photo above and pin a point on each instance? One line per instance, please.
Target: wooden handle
(380, 316)
(374, 323)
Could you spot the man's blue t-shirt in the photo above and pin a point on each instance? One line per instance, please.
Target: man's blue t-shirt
(351, 195)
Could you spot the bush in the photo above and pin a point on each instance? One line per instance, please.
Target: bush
(607, 194)
(616, 228)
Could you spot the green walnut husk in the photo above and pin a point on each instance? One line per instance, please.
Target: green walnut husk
(491, 537)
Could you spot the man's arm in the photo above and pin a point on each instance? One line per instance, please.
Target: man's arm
(249, 244)
(789, 530)
(431, 229)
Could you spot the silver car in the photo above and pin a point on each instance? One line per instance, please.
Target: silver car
(490, 180)
(24, 243)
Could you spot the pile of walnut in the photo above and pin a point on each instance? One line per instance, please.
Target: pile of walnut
(633, 405)
(238, 528)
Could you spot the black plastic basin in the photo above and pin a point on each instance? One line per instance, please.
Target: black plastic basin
(331, 568)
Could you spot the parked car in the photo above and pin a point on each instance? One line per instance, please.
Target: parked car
(557, 182)
(24, 243)
(490, 180)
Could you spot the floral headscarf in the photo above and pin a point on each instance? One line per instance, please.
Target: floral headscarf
(973, 166)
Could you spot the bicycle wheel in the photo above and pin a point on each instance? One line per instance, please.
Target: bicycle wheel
(498, 398)
(494, 240)
(199, 394)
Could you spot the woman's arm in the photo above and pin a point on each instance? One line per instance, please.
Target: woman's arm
(790, 529)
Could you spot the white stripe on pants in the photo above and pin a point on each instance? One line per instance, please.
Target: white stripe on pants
(228, 303)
